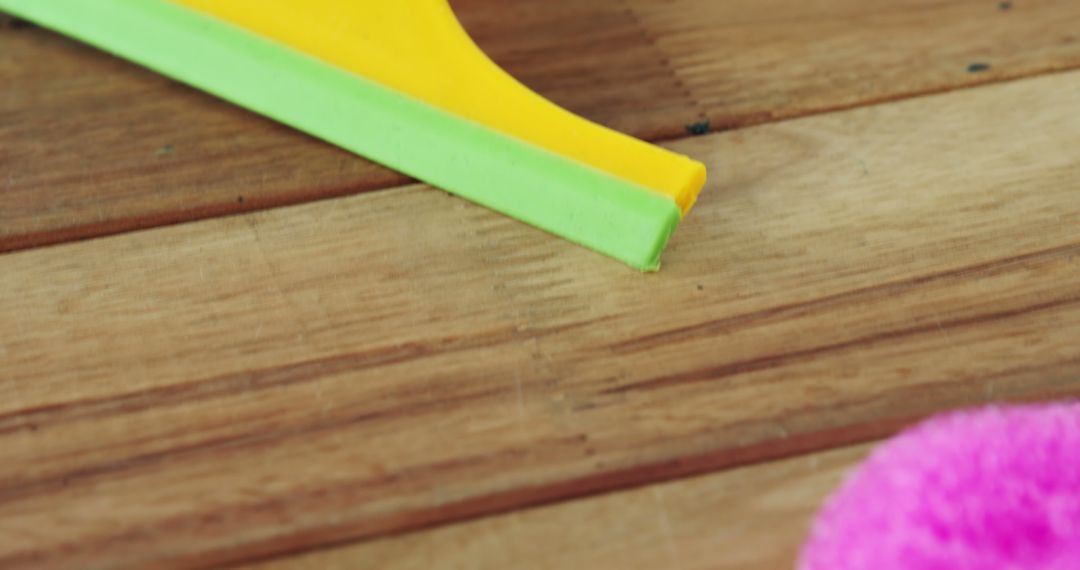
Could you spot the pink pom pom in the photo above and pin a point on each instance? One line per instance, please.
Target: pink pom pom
(993, 489)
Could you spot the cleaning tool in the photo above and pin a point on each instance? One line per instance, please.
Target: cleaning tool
(418, 47)
(402, 84)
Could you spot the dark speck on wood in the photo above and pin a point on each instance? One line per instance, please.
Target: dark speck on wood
(978, 67)
(698, 128)
(1004, 6)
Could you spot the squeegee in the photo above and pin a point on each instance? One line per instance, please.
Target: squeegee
(402, 83)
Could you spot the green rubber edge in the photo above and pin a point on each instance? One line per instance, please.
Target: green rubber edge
(565, 197)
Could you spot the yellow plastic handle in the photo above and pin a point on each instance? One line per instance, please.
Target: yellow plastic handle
(418, 47)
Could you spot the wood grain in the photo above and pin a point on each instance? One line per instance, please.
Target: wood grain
(91, 146)
(253, 385)
(747, 61)
(751, 518)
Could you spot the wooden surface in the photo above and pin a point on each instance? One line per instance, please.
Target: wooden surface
(248, 386)
(751, 518)
(127, 149)
(377, 378)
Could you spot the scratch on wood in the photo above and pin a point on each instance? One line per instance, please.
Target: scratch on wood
(520, 396)
(665, 528)
(944, 332)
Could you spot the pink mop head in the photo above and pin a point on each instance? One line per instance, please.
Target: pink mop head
(992, 489)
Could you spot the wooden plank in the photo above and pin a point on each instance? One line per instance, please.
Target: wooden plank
(91, 146)
(347, 369)
(747, 61)
(751, 518)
